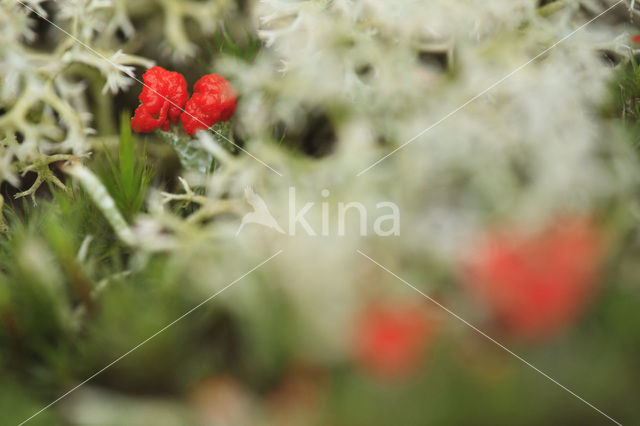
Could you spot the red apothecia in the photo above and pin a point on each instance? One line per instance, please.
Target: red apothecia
(165, 94)
(161, 101)
(213, 100)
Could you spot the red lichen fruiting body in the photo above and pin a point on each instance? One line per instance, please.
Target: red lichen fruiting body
(213, 100)
(161, 101)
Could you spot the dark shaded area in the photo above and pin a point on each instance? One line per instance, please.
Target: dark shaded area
(46, 34)
(314, 136)
(437, 61)
(610, 58)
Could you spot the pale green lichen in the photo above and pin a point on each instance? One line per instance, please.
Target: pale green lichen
(198, 153)
(46, 117)
(99, 194)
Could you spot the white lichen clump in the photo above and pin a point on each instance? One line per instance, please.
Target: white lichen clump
(528, 150)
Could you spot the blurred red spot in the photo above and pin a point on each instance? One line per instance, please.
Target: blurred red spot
(537, 285)
(636, 39)
(389, 339)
